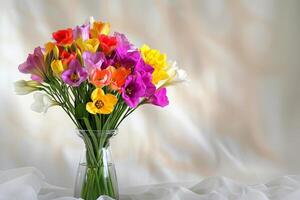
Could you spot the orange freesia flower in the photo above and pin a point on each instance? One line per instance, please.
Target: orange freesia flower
(100, 78)
(118, 77)
(99, 28)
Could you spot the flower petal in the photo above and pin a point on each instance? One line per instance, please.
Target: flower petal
(90, 107)
(96, 94)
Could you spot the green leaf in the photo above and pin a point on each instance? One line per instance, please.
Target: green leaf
(80, 111)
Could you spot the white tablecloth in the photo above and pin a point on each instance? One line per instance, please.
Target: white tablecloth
(29, 184)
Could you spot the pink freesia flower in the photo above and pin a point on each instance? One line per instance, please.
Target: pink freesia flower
(75, 75)
(35, 65)
(93, 61)
(81, 31)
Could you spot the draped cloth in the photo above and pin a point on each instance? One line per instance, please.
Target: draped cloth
(29, 184)
(238, 116)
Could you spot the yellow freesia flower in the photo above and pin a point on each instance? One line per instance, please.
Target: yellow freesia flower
(99, 28)
(101, 103)
(159, 75)
(88, 45)
(158, 61)
(49, 46)
(57, 67)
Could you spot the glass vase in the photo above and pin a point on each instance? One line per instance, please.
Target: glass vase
(96, 174)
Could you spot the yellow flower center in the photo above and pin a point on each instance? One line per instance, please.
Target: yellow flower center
(74, 77)
(99, 104)
(129, 90)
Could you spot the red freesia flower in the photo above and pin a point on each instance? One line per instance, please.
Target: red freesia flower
(67, 57)
(63, 37)
(107, 43)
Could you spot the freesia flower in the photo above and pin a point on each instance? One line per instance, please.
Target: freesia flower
(93, 60)
(100, 77)
(35, 65)
(48, 47)
(99, 28)
(107, 43)
(149, 86)
(75, 75)
(127, 55)
(101, 103)
(63, 37)
(66, 57)
(81, 31)
(23, 87)
(158, 61)
(118, 77)
(159, 75)
(133, 89)
(88, 45)
(123, 45)
(91, 21)
(141, 66)
(42, 102)
(176, 75)
(159, 98)
(57, 67)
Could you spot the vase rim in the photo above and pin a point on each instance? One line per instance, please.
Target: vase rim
(98, 132)
(106, 130)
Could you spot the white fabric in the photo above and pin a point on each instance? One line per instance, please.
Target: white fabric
(29, 184)
(239, 117)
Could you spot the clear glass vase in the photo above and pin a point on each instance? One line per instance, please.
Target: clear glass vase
(96, 174)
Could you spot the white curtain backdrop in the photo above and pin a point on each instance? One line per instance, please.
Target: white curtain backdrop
(239, 116)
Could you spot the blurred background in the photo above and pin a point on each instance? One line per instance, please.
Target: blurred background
(239, 115)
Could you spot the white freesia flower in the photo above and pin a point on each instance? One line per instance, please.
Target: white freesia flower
(25, 87)
(91, 21)
(42, 102)
(176, 74)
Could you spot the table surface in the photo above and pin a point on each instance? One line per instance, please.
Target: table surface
(29, 183)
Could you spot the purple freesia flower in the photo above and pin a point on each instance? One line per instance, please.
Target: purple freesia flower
(93, 60)
(123, 45)
(81, 31)
(133, 89)
(34, 65)
(75, 75)
(141, 66)
(129, 56)
(159, 98)
(126, 54)
(149, 86)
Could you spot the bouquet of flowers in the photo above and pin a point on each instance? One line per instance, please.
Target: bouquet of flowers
(98, 79)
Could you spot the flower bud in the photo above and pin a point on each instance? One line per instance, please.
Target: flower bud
(57, 67)
(23, 87)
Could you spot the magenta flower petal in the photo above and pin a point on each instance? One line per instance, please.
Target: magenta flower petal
(149, 86)
(141, 66)
(75, 75)
(159, 98)
(133, 90)
(126, 54)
